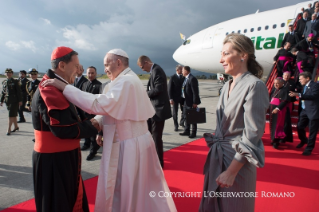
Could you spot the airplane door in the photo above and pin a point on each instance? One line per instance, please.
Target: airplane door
(209, 38)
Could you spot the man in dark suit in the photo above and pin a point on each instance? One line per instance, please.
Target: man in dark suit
(190, 92)
(309, 9)
(292, 37)
(308, 112)
(157, 92)
(79, 79)
(23, 82)
(31, 86)
(312, 26)
(175, 95)
(92, 85)
(301, 24)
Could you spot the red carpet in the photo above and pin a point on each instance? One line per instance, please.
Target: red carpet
(286, 170)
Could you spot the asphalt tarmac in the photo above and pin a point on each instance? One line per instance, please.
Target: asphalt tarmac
(16, 183)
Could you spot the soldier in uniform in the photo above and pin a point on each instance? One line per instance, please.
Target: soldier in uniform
(31, 86)
(11, 95)
(23, 81)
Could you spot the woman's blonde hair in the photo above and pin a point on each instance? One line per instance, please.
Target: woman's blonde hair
(243, 44)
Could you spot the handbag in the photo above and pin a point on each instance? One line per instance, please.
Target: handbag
(196, 115)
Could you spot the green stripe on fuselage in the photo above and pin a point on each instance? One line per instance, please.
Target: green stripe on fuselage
(267, 43)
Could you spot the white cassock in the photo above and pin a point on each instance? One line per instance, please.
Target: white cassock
(130, 168)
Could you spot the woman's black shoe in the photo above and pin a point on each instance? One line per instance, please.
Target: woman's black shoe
(15, 129)
(8, 133)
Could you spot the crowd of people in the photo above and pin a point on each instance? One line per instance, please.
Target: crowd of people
(297, 58)
(18, 94)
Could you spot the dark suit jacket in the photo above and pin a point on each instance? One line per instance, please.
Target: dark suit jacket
(292, 39)
(191, 91)
(310, 11)
(311, 98)
(80, 83)
(157, 92)
(91, 87)
(290, 85)
(23, 85)
(175, 87)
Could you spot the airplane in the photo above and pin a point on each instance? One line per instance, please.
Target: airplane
(202, 51)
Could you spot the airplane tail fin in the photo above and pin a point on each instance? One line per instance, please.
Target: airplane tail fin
(183, 37)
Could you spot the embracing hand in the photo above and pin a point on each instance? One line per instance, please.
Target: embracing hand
(54, 82)
(96, 124)
(226, 179)
(99, 140)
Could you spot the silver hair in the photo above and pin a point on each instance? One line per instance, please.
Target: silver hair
(124, 60)
(179, 67)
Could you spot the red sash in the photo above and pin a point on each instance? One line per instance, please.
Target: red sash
(46, 142)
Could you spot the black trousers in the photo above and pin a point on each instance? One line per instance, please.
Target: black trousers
(188, 126)
(156, 129)
(95, 146)
(22, 107)
(175, 112)
(313, 129)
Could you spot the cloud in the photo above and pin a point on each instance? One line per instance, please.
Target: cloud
(29, 45)
(12, 45)
(46, 21)
(139, 27)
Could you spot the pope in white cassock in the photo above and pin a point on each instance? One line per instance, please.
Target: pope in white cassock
(130, 169)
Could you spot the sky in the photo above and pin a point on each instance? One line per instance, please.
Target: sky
(31, 29)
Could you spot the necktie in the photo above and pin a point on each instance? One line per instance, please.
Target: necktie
(76, 80)
(184, 83)
(303, 106)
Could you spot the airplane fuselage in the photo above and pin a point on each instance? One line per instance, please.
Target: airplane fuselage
(202, 50)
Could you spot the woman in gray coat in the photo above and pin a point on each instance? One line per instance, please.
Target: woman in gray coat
(236, 149)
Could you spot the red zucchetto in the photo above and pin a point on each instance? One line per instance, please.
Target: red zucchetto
(60, 52)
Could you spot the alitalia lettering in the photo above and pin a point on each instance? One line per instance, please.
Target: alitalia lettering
(267, 43)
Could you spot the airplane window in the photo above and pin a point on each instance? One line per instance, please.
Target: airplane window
(266, 27)
(245, 30)
(226, 33)
(274, 26)
(259, 28)
(233, 32)
(185, 42)
(252, 29)
(238, 31)
(282, 25)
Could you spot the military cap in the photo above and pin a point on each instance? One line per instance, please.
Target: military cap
(23, 71)
(8, 70)
(33, 71)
